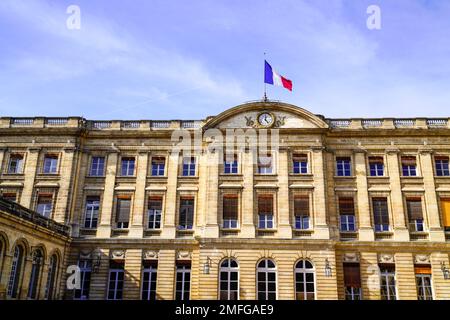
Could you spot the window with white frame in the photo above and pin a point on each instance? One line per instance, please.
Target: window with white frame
(442, 166)
(183, 282)
(380, 214)
(230, 211)
(376, 166)
(149, 277)
(304, 281)
(16, 272)
(123, 210)
(388, 289)
(347, 214)
(128, 166)
(265, 164)
(352, 281)
(186, 217)
(97, 166)
(189, 166)
(301, 212)
(45, 205)
(266, 280)
(158, 166)
(154, 212)
(82, 293)
(50, 164)
(91, 212)
(343, 166)
(116, 278)
(229, 280)
(409, 166)
(230, 164)
(415, 215)
(423, 282)
(300, 163)
(265, 211)
(15, 165)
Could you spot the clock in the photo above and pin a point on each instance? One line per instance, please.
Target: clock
(266, 119)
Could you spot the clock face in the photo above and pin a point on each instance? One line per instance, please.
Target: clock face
(265, 119)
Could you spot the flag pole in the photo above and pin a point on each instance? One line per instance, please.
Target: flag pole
(265, 86)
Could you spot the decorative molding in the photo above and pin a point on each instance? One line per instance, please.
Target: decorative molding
(386, 258)
(184, 255)
(150, 255)
(351, 257)
(117, 254)
(422, 259)
(85, 254)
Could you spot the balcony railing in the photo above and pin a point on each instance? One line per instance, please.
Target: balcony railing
(56, 121)
(160, 124)
(437, 123)
(131, 124)
(340, 123)
(372, 123)
(402, 123)
(17, 210)
(22, 121)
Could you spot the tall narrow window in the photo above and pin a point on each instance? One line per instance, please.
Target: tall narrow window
(265, 164)
(149, 276)
(45, 205)
(186, 220)
(442, 167)
(158, 166)
(229, 280)
(423, 282)
(376, 166)
(128, 164)
(51, 277)
(347, 214)
(230, 164)
(415, 216)
(343, 166)
(91, 212)
(16, 272)
(37, 260)
(266, 280)
(387, 282)
(123, 212)
(300, 163)
(409, 166)
(189, 166)
(265, 211)
(183, 282)
(15, 164)
(97, 167)
(380, 214)
(301, 212)
(352, 281)
(230, 211)
(85, 276)
(154, 212)
(50, 163)
(304, 281)
(445, 208)
(115, 283)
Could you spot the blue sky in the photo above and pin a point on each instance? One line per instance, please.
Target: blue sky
(173, 59)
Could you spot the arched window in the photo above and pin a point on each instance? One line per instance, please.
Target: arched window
(52, 273)
(16, 271)
(35, 274)
(304, 281)
(229, 280)
(267, 280)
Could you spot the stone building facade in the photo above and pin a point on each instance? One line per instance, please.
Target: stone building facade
(334, 209)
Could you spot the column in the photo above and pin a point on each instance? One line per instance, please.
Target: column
(133, 268)
(370, 276)
(401, 232)
(23, 293)
(284, 225)
(137, 218)
(104, 228)
(6, 269)
(406, 279)
(165, 282)
(29, 176)
(212, 195)
(169, 224)
(365, 228)
(436, 232)
(321, 230)
(2, 156)
(65, 185)
(43, 281)
(441, 286)
(77, 214)
(248, 225)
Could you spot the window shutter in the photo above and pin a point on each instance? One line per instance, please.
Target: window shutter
(265, 204)
(123, 209)
(352, 277)
(441, 158)
(414, 207)
(230, 207)
(346, 206)
(376, 160)
(301, 206)
(445, 204)
(300, 158)
(381, 215)
(409, 161)
(422, 269)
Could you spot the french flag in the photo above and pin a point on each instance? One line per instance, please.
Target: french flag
(271, 77)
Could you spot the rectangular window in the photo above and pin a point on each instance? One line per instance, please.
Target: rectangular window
(265, 212)
(409, 166)
(380, 214)
(45, 205)
(347, 214)
(343, 166)
(301, 212)
(186, 219)
(423, 282)
(230, 211)
(97, 167)
(376, 166)
(352, 281)
(188, 166)
(10, 196)
(415, 216)
(15, 164)
(115, 283)
(154, 212)
(300, 163)
(387, 282)
(149, 276)
(123, 212)
(91, 212)
(183, 282)
(85, 280)
(230, 164)
(265, 165)
(50, 164)
(158, 166)
(128, 165)
(445, 207)
(442, 167)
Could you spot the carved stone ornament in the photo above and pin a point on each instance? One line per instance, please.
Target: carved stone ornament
(84, 254)
(150, 254)
(422, 259)
(351, 257)
(277, 122)
(117, 254)
(184, 255)
(386, 258)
